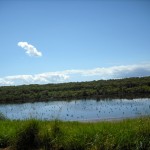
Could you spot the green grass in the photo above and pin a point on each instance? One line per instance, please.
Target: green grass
(130, 134)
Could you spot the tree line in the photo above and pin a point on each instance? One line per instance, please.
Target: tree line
(114, 88)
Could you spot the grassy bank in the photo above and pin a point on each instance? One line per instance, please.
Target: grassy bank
(56, 135)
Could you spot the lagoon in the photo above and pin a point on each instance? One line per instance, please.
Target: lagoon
(78, 110)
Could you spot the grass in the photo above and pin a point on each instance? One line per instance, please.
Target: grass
(129, 134)
(2, 117)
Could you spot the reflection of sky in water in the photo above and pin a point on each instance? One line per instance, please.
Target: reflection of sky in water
(78, 109)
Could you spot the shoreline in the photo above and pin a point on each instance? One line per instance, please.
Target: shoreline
(112, 119)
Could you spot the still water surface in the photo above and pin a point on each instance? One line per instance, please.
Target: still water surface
(78, 110)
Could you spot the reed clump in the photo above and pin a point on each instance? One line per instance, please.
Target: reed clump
(129, 134)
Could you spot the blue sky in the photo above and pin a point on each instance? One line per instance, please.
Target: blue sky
(77, 40)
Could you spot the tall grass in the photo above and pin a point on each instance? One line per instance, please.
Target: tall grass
(130, 134)
(27, 136)
(2, 116)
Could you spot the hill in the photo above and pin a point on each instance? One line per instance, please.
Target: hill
(118, 88)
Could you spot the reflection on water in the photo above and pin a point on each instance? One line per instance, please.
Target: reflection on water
(77, 110)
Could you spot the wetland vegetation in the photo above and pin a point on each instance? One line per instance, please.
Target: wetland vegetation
(119, 88)
(130, 134)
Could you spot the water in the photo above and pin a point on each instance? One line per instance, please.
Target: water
(78, 110)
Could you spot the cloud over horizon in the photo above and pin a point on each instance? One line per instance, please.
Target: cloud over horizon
(30, 49)
(113, 72)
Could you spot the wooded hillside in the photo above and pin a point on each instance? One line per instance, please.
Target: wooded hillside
(120, 88)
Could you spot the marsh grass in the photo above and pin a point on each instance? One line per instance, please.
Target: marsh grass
(3, 117)
(130, 134)
(27, 136)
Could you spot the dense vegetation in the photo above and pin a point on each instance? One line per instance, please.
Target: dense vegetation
(129, 87)
(131, 134)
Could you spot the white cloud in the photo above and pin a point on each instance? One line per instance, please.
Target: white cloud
(34, 79)
(113, 72)
(4, 82)
(30, 49)
(120, 71)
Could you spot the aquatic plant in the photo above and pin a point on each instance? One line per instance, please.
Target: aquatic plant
(2, 116)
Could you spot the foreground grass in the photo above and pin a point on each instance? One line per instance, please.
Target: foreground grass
(56, 135)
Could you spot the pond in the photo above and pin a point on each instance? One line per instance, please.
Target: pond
(78, 110)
